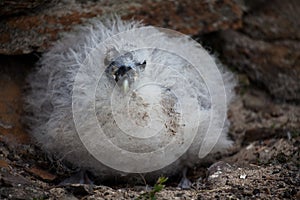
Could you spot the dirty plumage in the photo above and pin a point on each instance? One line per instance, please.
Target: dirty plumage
(139, 91)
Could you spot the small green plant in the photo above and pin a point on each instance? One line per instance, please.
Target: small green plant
(295, 134)
(159, 186)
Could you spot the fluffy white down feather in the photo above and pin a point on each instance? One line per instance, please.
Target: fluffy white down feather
(49, 101)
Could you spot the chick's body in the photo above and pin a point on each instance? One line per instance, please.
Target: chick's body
(166, 100)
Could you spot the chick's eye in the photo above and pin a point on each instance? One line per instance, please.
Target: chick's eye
(141, 65)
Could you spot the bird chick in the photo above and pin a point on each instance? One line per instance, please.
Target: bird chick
(119, 98)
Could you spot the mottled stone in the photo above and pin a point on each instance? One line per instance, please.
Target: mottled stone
(275, 65)
(34, 31)
(275, 20)
(267, 47)
(42, 174)
(11, 7)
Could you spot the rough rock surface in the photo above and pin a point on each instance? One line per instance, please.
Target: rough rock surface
(276, 65)
(12, 7)
(273, 21)
(36, 30)
(12, 74)
(267, 47)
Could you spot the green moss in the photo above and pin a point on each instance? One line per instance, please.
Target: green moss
(159, 186)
